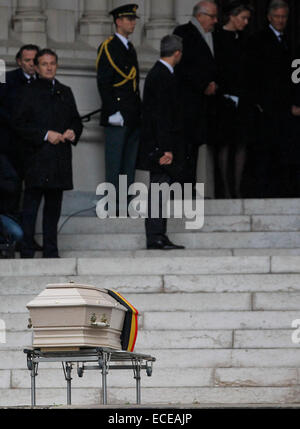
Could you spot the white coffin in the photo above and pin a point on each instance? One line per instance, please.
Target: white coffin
(71, 316)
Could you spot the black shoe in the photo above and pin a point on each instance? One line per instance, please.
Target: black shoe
(163, 243)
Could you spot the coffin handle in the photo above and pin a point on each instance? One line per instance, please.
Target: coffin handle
(96, 324)
(100, 324)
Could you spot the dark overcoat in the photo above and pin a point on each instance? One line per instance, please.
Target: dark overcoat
(268, 68)
(10, 91)
(126, 97)
(195, 71)
(45, 107)
(161, 119)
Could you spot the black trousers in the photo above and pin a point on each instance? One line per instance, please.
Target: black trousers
(270, 171)
(51, 215)
(156, 227)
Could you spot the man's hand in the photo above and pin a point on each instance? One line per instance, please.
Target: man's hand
(166, 159)
(69, 135)
(211, 89)
(54, 137)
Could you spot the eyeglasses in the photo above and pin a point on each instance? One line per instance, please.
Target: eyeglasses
(210, 15)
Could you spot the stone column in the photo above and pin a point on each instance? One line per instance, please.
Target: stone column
(29, 22)
(5, 17)
(95, 24)
(161, 22)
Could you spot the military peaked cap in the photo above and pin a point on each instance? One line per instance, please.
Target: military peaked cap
(128, 10)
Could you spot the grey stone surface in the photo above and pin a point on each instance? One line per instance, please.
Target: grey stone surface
(251, 377)
(277, 301)
(266, 252)
(285, 264)
(220, 320)
(196, 339)
(232, 283)
(169, 265)
(42, 267)
(276, 223)
(94, 225)
(264, 339)
(191, 302)
(196, 240)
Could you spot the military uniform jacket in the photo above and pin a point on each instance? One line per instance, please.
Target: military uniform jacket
(46, 107)
(118, 82)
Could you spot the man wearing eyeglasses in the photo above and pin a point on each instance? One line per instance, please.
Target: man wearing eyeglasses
(197, 75)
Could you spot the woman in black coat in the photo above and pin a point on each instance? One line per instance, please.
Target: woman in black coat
(231, 106)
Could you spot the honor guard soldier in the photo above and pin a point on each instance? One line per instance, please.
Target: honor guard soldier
(118, 84)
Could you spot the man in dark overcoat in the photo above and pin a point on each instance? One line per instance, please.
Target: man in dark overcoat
(48, 122)
(118, 84)
(161, 132)
(197, 74)
(268, 63)
(15, 80)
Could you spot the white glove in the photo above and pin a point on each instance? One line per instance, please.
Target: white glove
(234, 98)
(116, 120)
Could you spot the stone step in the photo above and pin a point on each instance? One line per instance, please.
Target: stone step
(151, 266)
(94, 225)
(178, 302)
(196, 240)
(232, 283)
(188, 358)
(236, 320)
(222, 223)
(160, 396)
(189, 320)
(141, 284)
(193, 377)
(184, 265)
(75, 201)
(148, 266)
(187, 339)
(175, 253)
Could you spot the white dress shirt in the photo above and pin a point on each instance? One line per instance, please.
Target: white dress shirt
(167, 65)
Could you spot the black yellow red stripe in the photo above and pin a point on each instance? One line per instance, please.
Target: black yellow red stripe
(130, 328)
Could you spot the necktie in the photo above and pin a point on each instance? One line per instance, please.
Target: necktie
(30, 80)
(282, 40)
(130, 47)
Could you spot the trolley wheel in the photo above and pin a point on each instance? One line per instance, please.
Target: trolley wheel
(80, 372)
(29, 364)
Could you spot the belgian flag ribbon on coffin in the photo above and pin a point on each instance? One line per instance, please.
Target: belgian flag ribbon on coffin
(130, 327)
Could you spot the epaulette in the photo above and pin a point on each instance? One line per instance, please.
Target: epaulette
(126, 78)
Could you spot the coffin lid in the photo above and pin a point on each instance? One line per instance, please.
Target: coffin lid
(73, 294)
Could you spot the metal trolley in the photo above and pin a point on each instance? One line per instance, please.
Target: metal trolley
(106, 359)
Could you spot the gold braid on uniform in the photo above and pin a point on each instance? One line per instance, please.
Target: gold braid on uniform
(132, 74)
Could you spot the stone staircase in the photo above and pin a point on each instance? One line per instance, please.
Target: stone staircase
(217, 316)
